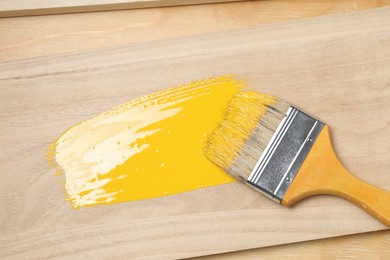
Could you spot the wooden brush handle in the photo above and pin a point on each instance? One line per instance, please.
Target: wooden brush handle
(322, 173)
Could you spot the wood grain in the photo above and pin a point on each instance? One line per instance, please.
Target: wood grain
(11, 8)
(338, 78)
(373, 245)
(28, 37)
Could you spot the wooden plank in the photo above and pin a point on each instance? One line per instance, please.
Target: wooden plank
(373, 245)
(11, 8)
(320, 64)
(26, 37)
(35, 36)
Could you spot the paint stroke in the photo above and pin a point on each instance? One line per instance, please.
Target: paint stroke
(146, 148)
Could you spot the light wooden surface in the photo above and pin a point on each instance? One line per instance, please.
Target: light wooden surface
(375, 245)
(320, 64)
(27, 37)
(12, 8)
(40, 36)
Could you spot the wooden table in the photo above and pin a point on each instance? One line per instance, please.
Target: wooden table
(28, 37)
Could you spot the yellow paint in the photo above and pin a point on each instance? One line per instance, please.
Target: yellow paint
(242, 116)
(146, 148)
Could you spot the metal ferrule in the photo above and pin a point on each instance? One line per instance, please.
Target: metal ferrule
(285, 153)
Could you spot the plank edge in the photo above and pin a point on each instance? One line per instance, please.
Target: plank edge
(139, 4)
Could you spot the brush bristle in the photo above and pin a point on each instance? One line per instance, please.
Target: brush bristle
(237, 143)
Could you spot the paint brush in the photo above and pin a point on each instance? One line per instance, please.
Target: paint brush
(286, 154)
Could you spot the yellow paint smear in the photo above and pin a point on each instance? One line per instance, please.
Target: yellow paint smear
(146, 148)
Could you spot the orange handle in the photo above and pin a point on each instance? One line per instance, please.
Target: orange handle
(322, 173)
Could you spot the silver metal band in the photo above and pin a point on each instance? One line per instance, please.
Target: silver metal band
(285, 153)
